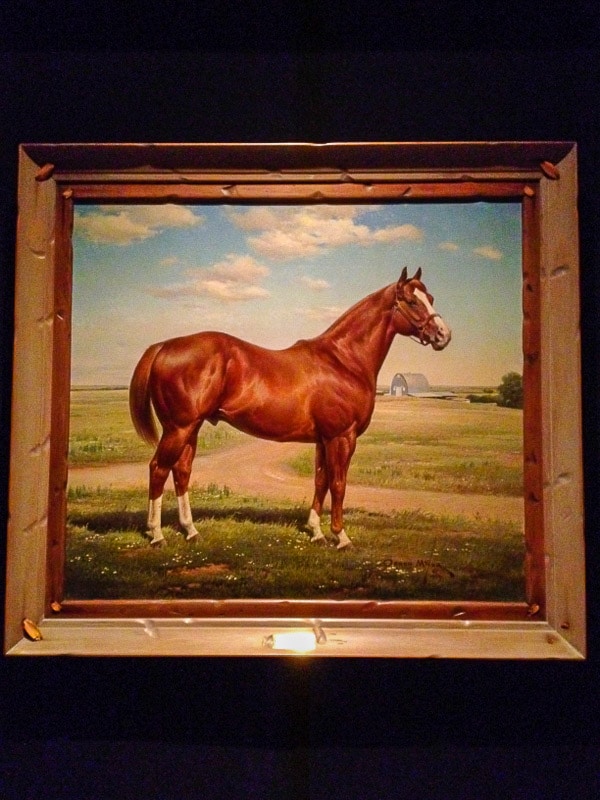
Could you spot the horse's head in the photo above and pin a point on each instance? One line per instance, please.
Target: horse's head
(414, 314)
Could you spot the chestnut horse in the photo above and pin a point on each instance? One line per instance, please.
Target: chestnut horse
(319, 390)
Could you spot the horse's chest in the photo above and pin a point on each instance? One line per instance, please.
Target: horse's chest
(337, 411)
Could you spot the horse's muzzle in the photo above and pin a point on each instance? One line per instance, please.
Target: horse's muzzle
(441, 338)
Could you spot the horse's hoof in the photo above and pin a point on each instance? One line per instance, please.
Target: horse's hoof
(318, 538)
(157, 543)
(343, 541)
(191, 536)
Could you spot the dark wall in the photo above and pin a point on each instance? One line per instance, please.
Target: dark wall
(99, 728)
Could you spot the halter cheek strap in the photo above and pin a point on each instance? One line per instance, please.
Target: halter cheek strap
(420, 326)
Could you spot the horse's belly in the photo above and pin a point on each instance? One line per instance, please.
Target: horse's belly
(277, 422)
(294, 408)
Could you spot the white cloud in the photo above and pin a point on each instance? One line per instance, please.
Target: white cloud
(256, 218)
(316, 284)
(233, 279)
(322, 313)
(284, 233)
(229, 291)
(487, 251)
(122, 225)
(451, 247)
(238, 268)
(397, 233)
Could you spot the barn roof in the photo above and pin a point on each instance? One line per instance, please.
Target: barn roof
(417, 385)
(414, 381)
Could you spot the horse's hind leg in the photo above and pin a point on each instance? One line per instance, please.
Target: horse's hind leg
(170, 448)
(321, 488)
(181, 477)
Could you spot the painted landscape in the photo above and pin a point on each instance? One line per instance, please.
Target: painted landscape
(433, 509)
(434, 503)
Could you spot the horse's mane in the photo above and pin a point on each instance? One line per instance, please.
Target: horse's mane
(357, 311)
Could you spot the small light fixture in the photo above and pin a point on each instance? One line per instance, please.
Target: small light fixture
(294, 641)
(297, 641)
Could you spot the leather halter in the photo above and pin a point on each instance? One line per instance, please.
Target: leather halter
(420, 326)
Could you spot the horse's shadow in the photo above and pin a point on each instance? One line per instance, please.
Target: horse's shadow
(102, 522)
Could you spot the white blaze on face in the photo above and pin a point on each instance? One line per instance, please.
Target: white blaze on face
(443, 334)
(425, 300)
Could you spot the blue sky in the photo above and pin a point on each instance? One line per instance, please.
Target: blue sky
(275, 274)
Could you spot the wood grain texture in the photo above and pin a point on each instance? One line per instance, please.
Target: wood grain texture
(467, 611)
(32, 396)
(551, 625)
(151, 637)
(61, 384)
(535, 573)
(146, 157)
(561, 394)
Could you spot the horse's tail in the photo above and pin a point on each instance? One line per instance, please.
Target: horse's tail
(140, 403)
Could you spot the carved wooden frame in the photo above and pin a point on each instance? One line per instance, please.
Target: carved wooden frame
(541, 175)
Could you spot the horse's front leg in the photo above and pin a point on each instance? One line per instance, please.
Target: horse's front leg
(338, 452)
(321, 488)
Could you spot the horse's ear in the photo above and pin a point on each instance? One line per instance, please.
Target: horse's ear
(417, 275)
(401, 281)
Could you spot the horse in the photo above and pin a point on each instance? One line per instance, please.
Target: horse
(319, 390)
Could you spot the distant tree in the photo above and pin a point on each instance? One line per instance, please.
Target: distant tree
(510, 391)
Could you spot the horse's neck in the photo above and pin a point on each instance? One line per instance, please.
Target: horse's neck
(362, 336)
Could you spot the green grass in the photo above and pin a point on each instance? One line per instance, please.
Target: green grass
(249, 549)
(101, 430)
(438, 446)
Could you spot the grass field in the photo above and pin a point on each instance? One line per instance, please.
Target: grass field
(411, 444)
(440, 446)
(250, 547)
(102, 431)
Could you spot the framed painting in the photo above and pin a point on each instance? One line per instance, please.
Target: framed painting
(273, 399)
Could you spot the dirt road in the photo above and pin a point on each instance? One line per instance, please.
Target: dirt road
(259, 468)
